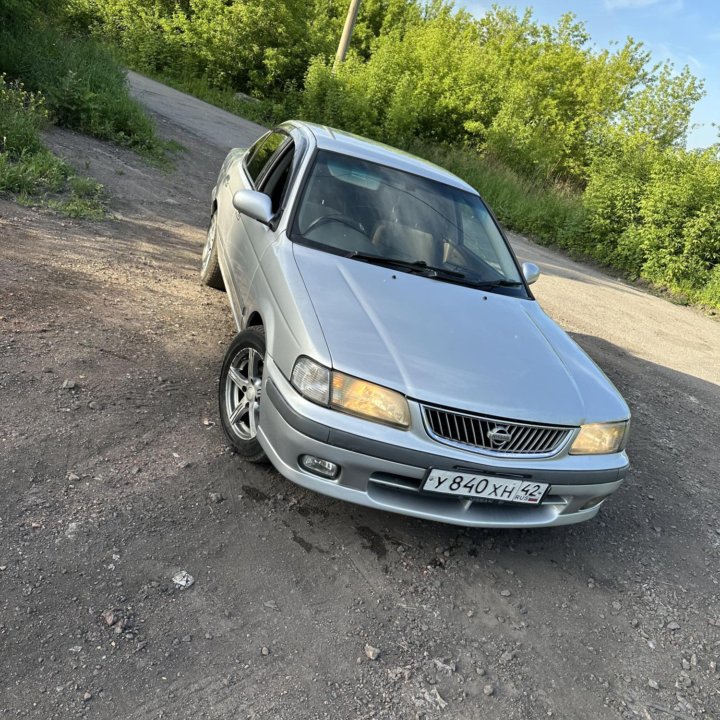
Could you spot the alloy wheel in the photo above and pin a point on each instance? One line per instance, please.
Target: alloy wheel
(242, 392)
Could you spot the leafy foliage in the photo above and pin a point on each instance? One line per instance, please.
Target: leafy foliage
(22, 115)
(530, 95)
(16, 14)
(83, 85)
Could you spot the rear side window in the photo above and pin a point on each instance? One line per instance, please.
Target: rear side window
(264, 151)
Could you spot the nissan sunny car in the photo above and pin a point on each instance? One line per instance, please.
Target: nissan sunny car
(390, 351)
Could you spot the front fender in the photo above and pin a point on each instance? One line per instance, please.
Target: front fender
(279, 296)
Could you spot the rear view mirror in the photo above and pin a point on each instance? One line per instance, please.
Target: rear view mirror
(531, 272)
(254, 204)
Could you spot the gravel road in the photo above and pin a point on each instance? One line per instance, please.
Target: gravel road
(116, 477)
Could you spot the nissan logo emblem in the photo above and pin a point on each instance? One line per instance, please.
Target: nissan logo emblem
(499, 435)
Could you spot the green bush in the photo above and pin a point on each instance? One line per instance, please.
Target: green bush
(83, 84)
(251, 45)
(530, 94)
(29, 170)
(22, 115)
(709, 294)
(17, 14)
(655, 213)
(680, 214)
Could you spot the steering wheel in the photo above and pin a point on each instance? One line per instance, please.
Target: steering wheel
(325, 219)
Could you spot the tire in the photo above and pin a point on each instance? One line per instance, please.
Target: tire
(240, 392)
(210, 274)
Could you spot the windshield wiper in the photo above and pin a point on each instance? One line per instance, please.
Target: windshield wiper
(430, 271)
(489, 285)
(412, 266)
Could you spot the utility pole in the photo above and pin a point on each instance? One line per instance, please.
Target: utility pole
(347, 32)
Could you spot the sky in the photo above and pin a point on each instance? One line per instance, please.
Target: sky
(686, 32)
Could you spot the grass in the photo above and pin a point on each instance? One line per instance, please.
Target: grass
(30, 171)
(41, 178)
(83, 85)
(73, 82)
(710, 294)
(85, 199)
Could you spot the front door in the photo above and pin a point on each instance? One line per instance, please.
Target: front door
(245, 239)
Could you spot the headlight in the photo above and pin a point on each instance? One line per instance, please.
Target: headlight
(600, 439)
(368, 400)
(348, 394)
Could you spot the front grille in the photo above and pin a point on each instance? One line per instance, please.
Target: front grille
(505, 437)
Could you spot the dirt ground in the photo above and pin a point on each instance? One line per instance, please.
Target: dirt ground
(115, 476)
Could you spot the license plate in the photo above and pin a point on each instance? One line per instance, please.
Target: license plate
(485, 487)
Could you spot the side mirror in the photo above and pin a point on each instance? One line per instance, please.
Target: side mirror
(254, 204)
(531, 272)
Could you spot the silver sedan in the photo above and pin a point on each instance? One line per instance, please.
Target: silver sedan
(389, 351)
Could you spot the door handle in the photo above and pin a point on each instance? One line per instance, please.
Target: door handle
(227, 180)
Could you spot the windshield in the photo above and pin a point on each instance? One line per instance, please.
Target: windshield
(377, 214)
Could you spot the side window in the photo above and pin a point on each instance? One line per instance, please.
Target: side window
(254, 147)
(275, 181)
(264, 151)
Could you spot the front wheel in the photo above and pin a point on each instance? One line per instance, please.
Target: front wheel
(241, 391)
(210, 265)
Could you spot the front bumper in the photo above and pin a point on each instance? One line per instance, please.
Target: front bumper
(388, 476)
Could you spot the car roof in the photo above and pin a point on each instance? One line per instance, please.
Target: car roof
(327, 138)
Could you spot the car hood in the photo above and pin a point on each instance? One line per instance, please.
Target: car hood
(453, 346)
